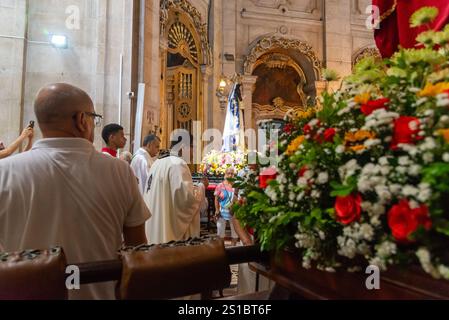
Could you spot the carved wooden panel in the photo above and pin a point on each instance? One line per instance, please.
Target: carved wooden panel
(185, 98)
(292, 5)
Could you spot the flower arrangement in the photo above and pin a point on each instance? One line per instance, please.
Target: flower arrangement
(365, 180)
(215, 162)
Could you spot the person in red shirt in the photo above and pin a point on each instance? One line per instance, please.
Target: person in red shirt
(114, 137)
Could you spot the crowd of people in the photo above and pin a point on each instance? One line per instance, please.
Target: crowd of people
(63, 192)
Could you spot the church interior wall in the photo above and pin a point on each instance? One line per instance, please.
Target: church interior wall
(91, 60)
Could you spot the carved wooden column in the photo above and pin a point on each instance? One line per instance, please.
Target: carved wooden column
(248, 86)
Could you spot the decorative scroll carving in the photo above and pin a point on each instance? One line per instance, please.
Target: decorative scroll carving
(364, 53)
(185, 7)
(271, 43)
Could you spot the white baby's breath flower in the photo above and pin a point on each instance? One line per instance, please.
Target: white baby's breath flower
(401, 170)
(375, 221)
(404, 160)
(446, 157)
(425, 259)
(410, 190)
(383, 161)
(323, 178)
(444, 271)
(302, 182)
(427, 157)
(340, 149)
(315, 194)
(414, 170)
(444, 119)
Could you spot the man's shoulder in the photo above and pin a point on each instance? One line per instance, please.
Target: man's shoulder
(19, 159)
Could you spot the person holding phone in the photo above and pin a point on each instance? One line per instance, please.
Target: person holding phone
(27, 133)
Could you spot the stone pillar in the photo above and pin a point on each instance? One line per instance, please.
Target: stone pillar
(207, 72)
(229, 36)
(248, 85)
(339, 37)
(151, 67)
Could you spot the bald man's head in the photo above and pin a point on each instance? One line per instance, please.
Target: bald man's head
(63, 110)
(59, 101)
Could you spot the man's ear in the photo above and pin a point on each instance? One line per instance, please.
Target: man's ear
(81, 122)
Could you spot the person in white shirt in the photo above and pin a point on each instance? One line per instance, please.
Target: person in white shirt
(173, 200)
(144, 159)
(65, 193)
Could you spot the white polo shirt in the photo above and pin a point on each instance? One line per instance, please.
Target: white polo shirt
(65, 193)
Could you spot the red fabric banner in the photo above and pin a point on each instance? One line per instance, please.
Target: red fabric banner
(395, 29)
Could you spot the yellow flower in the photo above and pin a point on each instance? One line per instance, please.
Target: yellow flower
(294, 145)
(305, 114)
(362, 98)
(354, 140)
(444, 133)
(431, 90)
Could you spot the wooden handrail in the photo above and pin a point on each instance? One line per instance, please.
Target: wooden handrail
(103, 271)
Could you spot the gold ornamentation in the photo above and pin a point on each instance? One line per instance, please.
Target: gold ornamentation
(273, 42)
(181, 40)
(194, 15)
(389, 12)
(365, 53)
(278, 102)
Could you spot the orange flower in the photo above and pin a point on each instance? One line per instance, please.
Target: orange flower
(362, 98)
(354, 140)
(358, 147)
(431, 90)
(444, 133)
(294, 145)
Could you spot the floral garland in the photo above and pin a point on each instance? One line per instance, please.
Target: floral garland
(365, 180)
(215, 162)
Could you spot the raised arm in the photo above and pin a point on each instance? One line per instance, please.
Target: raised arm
(8, 151)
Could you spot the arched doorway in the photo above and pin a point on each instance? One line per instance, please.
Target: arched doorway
(285, 72)
(184, 54)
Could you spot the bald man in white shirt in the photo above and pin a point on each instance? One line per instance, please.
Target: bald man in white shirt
(65, 193)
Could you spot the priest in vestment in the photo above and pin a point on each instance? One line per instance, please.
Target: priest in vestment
(173, 201)
(395, 30)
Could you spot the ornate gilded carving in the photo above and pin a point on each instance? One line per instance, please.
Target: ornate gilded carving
(180, 40)
(195, 16)
(364, 53)
(271, 43)
(268, 112)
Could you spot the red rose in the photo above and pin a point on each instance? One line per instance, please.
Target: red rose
(307, 129)
(403, 220)
(348, 208)
(266, 176)
(374, 105)
(329, 134)
(302, 171)
(288, 128)
(405, 131)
